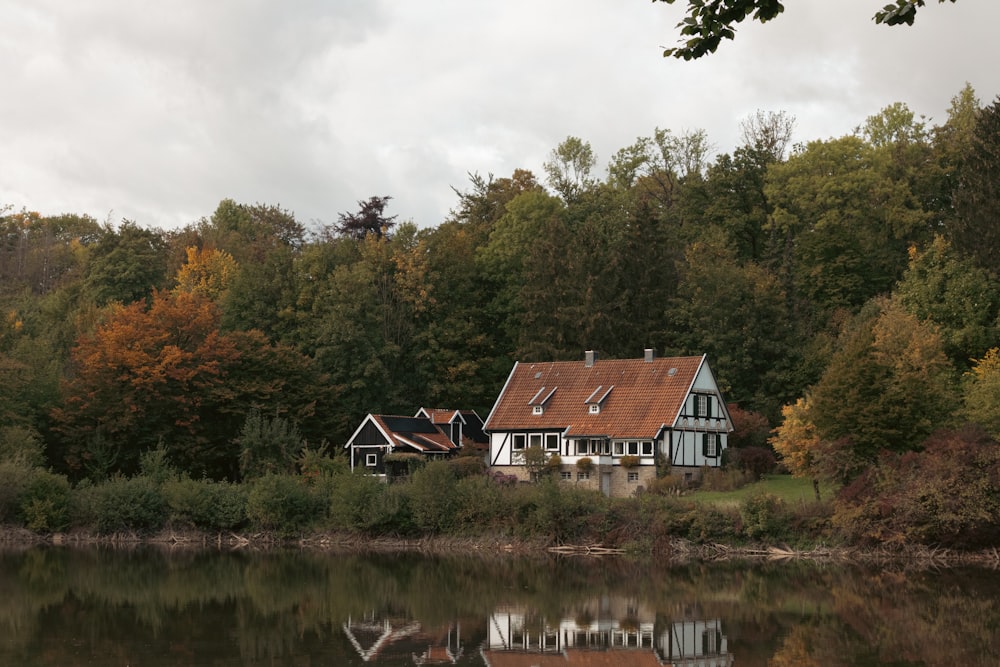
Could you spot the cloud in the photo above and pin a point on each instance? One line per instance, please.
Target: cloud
(158, 111)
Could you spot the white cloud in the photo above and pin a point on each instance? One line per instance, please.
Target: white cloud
(158, 111)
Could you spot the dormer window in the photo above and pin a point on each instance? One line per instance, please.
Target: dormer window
(597, 398)
(539, 400)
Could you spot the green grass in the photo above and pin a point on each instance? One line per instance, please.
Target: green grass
(793, 490)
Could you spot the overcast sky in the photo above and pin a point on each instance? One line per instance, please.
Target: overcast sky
(155, 111)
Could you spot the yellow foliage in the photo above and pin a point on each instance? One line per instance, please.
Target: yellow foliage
(796, 440)
(208, 272)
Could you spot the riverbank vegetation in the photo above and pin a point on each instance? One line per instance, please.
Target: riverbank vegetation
(845, 290)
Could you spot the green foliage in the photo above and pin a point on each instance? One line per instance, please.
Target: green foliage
(154, 465)
(432, 497)
(982, 393)
(268, 446)
(764, 516)
(21, 445)
(362, 503)
(134, 504)
(206, 504)
(45, 502)
(13, 480)
(284, 503)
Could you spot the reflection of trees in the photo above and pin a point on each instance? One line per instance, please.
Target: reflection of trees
(269, 607)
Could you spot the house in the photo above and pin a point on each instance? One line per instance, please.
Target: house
(611, 421)
(432, 433)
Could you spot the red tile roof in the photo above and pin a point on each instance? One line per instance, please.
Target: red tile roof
(414, 433)
(644, 395)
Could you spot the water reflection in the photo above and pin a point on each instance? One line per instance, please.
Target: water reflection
(150, 607)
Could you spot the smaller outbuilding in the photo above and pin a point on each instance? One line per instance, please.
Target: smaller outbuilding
(431, 433)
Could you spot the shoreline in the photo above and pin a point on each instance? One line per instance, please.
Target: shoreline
(678, 550)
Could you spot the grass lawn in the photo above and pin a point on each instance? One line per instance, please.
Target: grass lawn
(793, 490)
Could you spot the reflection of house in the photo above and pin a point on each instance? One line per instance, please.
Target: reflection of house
(609, 633)
(621, 414)
(431, 434)
(379, 638)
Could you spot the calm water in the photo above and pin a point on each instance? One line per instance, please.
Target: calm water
(150, 607)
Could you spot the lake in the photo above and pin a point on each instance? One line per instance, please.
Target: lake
(150, 606)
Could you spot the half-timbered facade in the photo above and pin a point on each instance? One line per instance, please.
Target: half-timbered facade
(611, 421)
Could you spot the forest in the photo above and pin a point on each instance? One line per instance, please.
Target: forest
(844, 289)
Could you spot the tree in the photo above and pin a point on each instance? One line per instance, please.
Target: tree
(708, 22)
(569, 166)
(976, 227)
(797, 443)
(889, 385)
(950, 290)
(982, 393)
(126, 264)
(370, 219)
(208, 272)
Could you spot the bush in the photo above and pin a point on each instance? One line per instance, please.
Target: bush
(135, 504)
(467, 466)
(724, 479)
(710, 524)
(755, 461)
(432, 497)
(21, 445)
(45, 502)
(764, 516)
(205, 504)
(284, 504)
(13, 480)
(481, 505)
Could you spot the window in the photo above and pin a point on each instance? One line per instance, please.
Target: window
(647, 448)
(710, 445)
(595, 409)
(552, 442)
(537, 410)
(619, 448)
(535, 440)
(519, 440)
(633, 448)
(582, 447)
(566, 476)
(371, 460)
(702, 405)
(633, 477)
(581, 476)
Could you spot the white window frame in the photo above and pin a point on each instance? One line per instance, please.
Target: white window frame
(633, 448)
(371, 460)
(633, 476)
(537, 409)
(518, 441)
(647, 447)
(712, 445)
(582, 447)
(582, 476)
(552, 442)
(595, 408)
(535, 440)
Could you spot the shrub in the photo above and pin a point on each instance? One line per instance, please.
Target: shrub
(284, 504)
(13, 480)
(467, 466)
(363, 503)
(710, 524)
(586, 464)
(21, 445)
(670, 485)
(154, 465)
(755, 461)
(45, 502)
(724, 479)
(480, 505)
(432, 497)
(206, 504)
(764, 516)
(129, 504)
(629, 461)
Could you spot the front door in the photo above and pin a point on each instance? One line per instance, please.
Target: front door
(606, 483)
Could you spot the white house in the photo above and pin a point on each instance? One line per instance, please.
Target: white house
(624, 415)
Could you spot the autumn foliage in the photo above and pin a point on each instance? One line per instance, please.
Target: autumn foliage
(167, 375)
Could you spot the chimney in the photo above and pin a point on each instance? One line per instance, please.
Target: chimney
(589, 357)
(649, 355)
